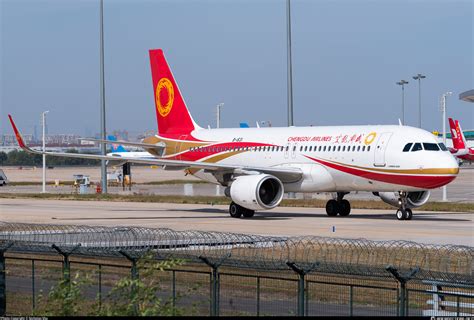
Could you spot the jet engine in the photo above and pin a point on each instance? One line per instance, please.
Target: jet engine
(257, 192)
(414, 199)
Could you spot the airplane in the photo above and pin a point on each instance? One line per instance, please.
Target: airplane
(117, 150)
(460, 149)
(399, 164)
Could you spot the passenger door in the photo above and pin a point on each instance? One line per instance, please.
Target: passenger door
(381, 148)
(179, 145)
(294, 149)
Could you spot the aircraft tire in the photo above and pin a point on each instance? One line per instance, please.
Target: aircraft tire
(404, 214)
(332, 208)
(344, 208)
(248, 213)
(235, 210)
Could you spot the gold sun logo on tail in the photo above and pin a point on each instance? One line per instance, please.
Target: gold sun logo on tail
(164, 96)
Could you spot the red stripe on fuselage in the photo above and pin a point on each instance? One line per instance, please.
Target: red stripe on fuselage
(417, 181)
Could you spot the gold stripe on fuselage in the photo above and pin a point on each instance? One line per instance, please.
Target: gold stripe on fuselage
(430, 171)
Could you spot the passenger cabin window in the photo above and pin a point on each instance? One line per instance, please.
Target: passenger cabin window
(430, 146)
(407, 147)
(442, 146)
(416, 147)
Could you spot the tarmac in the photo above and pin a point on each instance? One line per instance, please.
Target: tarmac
(426, 227)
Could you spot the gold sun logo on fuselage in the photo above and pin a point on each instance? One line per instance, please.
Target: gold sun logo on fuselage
(164, 96)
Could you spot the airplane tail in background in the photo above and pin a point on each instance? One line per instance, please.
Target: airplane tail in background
(171, 111)
(116, 147)
(459, 142)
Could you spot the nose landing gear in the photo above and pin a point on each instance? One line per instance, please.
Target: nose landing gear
(339, 206)
(403, 213)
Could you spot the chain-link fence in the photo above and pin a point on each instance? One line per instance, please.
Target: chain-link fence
(239, 274)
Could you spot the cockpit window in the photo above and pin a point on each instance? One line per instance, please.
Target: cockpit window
(407, 147)
(442, 146)
(417, 147)
(430, 146)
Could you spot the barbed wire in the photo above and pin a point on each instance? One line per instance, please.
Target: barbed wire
(452, 263)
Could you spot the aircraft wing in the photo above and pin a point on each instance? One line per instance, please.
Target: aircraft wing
(286, 175)
(128, 143)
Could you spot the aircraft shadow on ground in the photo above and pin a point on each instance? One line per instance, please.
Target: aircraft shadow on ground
(286, 215)
(264, 215)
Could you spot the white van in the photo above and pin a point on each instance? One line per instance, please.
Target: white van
(3, 178)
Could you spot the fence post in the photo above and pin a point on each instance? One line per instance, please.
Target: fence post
(66, 262)
(3, 278)
(100, 286)
(134, 276)
(174, 292)
(258, 296)
(301, 283)
(351, 300)
(402, 280)
(215, 283)
(33, 289)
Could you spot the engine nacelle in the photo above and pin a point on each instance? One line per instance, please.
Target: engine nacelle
(414, 199)
(257, 192)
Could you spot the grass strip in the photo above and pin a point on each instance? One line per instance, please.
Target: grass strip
(70, 182)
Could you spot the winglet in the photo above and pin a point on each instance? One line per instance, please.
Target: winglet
(21, 143)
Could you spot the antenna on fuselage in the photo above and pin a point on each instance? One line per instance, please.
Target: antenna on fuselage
(400, 122)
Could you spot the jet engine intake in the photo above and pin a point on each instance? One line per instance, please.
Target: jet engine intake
(257, 192)
(415, 199)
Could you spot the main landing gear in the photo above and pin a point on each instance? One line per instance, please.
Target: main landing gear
(339, 206)
(403, 213)
(237, 211)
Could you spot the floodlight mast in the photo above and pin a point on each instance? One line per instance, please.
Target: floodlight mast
(43, 118)
(403, 83)
(443, 111)
(418, 77)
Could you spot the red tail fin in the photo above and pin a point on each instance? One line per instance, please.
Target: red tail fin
(456, 135)
(171, 112)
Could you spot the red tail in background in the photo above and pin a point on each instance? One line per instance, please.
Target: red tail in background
(171, 112)
(456, 135)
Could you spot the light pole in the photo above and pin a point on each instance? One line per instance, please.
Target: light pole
(103, 165)
(403, 83)
(443, 110)
(418, 77)
(288, 57)
(219, 106)
(43, 118)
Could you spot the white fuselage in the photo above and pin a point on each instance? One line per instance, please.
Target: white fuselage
(332, 158)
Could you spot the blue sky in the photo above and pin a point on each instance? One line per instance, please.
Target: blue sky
(347, 56)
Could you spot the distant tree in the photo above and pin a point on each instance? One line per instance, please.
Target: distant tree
(3, 157)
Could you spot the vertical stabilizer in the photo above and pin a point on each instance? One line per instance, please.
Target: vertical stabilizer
(171, 112)
(457, 135)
